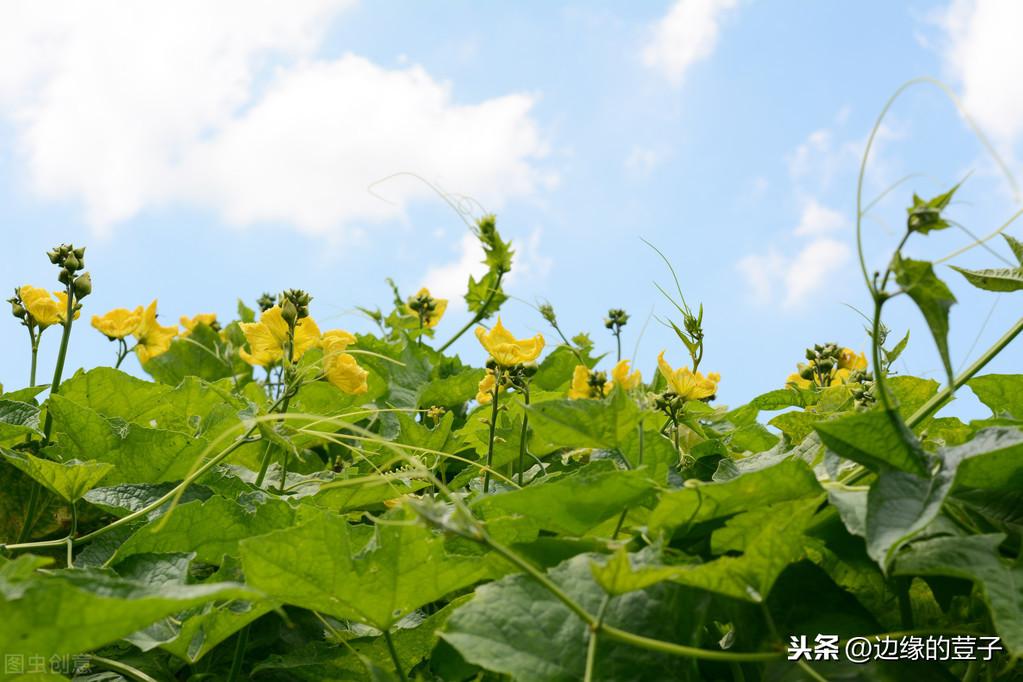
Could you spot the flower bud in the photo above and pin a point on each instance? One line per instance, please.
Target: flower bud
(17, 309)
(80, 254)
(64, 277)
(289, 312)
(265, 302)
(53, 255)
(71, 263)
(83, 286)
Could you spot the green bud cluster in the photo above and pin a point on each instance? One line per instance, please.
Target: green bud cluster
(425, 306)
(294, 305)
(516, 376)
(823, 361)
(265, 302)
(17, 309)
(597, 381)
(547, 311)
(71, 260)
(616, 319)
(862, 386)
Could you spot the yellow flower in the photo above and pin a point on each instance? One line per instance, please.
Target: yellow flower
(267, 338)
(153, 338)
(796, 380)
(430, 317)
(686, 383)
(190, 323)
(340, 368)
(506, 349)
(848, 362)
(43, 308)
(849, 359)
(624, 378)
(581, 386)
(485, 390)
(118, 323)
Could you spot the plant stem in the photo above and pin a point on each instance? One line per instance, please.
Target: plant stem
(34, 494)
(122, 353)
(35, 355)
(239, 654)
(493, 429)
(478, 316)
(394, 656)
(939, 399)
(61, 355)
(621, 635)
(523, 434)
(123, 668)
(171, 494)
(618, 341)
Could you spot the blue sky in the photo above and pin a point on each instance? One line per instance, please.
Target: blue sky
(209, 153)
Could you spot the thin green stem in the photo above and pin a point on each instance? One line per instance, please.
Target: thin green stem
(71, 534)
(35, 355)
(523, 433)
(173, 492)
(239, 654)
(122, 352)
(943, 396)
(58, 370)
(614, 633)
(686, 651)
(123, 668)
(493, 429)
(591, 657)
(482, 313)
(394, 656)
(618, 342)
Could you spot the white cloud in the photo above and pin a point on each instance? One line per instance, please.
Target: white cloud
(227, 106)
(449, 280)
(642, 161)
(818, 219)
(687, 34)
(794, 280)
(984, 53)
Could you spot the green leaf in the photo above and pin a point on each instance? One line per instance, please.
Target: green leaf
(555, 372)
(479, 291)
(911, 393)
(993, 279)
(1003, 393)
(139, 455)
(245, 313)
(18, 420)
(575, 503)
(317, 565)
(797, 425)
(68, 480)
(873, 440)
(900, 505)
(210, 528)
(451, 391)
(414, 639)
(569, 423)
(516, 627)
(770, 538)
(202, 354)
(892, 355)
(791, 479)
(932, 297)
(926, 216)
(993, 460)
(975, 558)
(95, 609)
